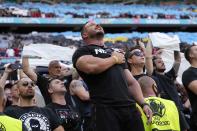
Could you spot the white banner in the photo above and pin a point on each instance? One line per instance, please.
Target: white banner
(165, 41)
(42, 54)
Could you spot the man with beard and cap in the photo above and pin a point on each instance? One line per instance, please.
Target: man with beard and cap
(110, 83)
(166, 85)
(27, 112)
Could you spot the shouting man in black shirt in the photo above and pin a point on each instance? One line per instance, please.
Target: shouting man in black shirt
(189, 79)
(34, 118)
(110, 83)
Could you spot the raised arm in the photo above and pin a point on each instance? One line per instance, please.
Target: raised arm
(148, 56)
(135, 90)
(177, 61)
(94, 65)
(27, 70)
(3, 81)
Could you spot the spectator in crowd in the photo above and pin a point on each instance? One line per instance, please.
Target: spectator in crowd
(10, 52)
(166, 84)
(8, 94)
(54, 70)
(31, 115)
(15, 94)
(109, 82)
(139, 57)
(70, 119)
(189, 80)
(164, 111)
(81, 100)
(7, 123)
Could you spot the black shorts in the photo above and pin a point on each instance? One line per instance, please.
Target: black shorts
(118, 119)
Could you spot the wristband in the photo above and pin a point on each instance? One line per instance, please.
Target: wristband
(144, 104)
(115, 58)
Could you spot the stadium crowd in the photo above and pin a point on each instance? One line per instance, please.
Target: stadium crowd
(113, 82)
(119, 87)
(40, 10)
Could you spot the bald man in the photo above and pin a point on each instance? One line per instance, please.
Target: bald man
(148, 86)
(165, 113)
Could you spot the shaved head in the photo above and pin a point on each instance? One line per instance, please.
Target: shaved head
(147, 85)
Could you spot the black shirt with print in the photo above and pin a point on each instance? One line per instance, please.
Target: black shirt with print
(70, 119)
(42, 83)
(188, 76)
(109, 87)
(34, 118)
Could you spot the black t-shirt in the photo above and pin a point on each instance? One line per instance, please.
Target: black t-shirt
(166, 84)
(109, 87)
(70, 119)
(188, 76)
(42, 83)
(34, 118)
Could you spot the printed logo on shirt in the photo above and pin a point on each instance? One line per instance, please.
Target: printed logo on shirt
(159, 110)
(62, 113)
(100, 51)
(35, 122)
(2, 127)
(157, 107)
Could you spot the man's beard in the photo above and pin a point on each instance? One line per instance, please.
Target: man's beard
(27, 96)
(160, 70)
(97, 35)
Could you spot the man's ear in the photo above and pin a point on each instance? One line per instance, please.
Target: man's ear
(129, 61)
(50, 90)
(84, 35)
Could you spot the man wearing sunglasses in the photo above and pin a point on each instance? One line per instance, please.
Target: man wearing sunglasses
(165, 113)
(139, 58)
(54, 70)
(110, 82)
(8, 123)
(27, 112)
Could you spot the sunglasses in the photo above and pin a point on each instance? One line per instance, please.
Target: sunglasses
(136, 53)
(26, 83)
